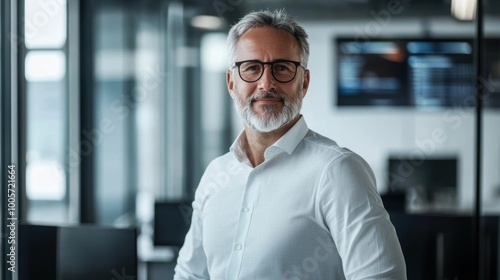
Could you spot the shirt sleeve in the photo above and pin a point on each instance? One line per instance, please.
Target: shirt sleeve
(360, 227)
(192, 262)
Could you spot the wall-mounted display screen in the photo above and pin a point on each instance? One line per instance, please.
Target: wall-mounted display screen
(410, 72)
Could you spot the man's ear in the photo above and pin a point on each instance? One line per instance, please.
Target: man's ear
(229, 82)
(305, 84)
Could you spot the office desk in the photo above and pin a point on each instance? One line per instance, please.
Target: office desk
(440, 246)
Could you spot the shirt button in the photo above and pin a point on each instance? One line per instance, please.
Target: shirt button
(246, 209)
(238, 247)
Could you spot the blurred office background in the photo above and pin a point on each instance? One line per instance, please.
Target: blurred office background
(111, 110)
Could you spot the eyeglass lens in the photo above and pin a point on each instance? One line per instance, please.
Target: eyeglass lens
(283, 71)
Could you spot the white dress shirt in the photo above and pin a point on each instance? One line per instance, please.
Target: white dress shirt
(309, 211)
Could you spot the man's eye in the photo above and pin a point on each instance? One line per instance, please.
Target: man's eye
(281, 67)
(253, 67)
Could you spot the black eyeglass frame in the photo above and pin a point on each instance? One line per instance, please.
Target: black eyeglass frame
(296, 63)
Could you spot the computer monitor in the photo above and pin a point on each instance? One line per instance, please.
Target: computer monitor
(172, 220)
(37, 252)
(430, 176)
(88, 252)
(491, 81)
(77, 252)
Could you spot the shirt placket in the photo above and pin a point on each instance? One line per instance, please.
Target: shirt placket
(244, 219)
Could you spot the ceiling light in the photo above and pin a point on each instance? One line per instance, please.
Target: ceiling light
(208, 22)
(463, 9)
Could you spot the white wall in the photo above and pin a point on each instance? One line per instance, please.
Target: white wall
(375, 133)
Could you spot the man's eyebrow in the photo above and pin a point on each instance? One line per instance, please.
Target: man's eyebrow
(274, 60)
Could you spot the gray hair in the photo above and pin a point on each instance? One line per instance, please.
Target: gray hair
(276, 19)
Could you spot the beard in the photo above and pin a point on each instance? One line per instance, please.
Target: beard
(272, 117)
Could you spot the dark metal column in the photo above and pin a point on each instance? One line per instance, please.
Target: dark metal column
(87, 151)
(7, 130)
(478, 148)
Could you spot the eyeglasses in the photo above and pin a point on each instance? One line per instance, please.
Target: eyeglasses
(283, 71)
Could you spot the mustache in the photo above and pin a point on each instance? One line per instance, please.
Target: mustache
(268, 94)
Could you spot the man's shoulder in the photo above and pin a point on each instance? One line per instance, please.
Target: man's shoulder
(322, 145)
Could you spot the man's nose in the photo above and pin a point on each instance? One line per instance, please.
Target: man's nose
(267, 81)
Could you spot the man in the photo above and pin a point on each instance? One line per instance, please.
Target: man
(285, 202)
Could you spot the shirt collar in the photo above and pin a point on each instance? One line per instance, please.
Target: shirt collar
(238, 148)
(288, 142)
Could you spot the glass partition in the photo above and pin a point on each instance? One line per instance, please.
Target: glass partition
(490, 177)
(151, 133)
(45, 64)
